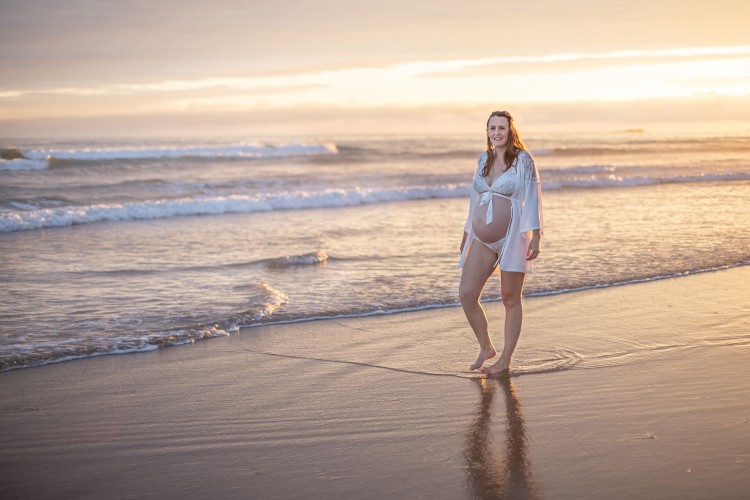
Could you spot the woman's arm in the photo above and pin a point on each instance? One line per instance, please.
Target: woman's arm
(531, 215)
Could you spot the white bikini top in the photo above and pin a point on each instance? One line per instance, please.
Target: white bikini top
(503, 186)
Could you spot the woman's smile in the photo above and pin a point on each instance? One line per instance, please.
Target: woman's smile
(498, 140)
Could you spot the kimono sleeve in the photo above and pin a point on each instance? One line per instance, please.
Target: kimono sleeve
(472, 203)
(531, 215)
(474, 195)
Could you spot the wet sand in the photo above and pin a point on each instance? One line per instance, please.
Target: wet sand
(636, 391)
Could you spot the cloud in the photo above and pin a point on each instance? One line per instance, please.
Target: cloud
(612, 76)
(328, 121)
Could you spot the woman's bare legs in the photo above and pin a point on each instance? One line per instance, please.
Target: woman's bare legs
(478, 267)
(512, 286)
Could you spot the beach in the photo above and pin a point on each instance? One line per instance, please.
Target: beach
(278, 318)
(633, 391)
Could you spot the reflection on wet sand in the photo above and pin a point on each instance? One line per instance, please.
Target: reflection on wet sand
(510, 475)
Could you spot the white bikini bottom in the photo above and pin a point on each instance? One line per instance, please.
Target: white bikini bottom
(495, 247)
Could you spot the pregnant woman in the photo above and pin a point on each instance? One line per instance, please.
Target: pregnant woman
(503, 228)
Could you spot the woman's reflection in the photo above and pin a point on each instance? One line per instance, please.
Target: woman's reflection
(510, 475)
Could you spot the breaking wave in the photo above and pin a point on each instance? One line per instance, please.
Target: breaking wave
(39, 158)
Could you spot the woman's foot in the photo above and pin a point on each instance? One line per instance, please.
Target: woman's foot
(484, 355)
(500, 369)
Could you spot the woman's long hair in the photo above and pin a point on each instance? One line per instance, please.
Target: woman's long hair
(514, 145)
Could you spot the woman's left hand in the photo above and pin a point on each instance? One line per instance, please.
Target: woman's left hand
(533, 251)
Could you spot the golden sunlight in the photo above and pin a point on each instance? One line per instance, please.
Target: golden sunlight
(607, 76)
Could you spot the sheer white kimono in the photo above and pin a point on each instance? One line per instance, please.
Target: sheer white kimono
(526, 215)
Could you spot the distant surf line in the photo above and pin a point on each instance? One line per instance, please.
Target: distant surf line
(55, 217)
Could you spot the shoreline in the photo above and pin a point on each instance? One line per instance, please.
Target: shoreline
(407, 310)
(352, 407)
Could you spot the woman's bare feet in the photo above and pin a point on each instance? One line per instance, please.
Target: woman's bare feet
(500, 368)
(484, 355)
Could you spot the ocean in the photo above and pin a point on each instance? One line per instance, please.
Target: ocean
(117, 246)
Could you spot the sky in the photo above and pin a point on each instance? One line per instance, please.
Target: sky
(294, 67)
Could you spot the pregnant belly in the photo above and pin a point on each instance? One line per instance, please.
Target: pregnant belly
(490, 233)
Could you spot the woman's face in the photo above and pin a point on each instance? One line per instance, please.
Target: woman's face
(497, 131)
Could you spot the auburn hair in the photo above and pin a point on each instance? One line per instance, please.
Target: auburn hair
(514, 145)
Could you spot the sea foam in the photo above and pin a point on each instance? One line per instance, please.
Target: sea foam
(599, 177)
(140, 153)
(72, 215)
(308, 259)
